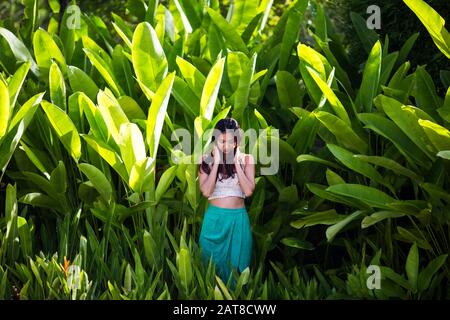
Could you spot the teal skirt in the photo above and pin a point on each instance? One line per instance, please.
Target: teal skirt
(226, 237)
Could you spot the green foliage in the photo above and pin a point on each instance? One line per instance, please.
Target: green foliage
(99, 204)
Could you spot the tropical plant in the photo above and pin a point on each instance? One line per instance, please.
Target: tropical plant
(100, 203)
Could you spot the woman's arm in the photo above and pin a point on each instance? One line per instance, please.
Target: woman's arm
(247, 176)
(208, 181)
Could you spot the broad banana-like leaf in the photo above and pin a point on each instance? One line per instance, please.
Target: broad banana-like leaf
(371, 78)
(372, 196)
(149, 59)
(164, 182)
(157, 113)
(132, 147)
(343, 132)
(98, 180)
(80, 81)
(64, 128)
(211, 89)
(16, 82)
(57, 87)
(228, 32)
(105, 71)
(433, 22)
(108, 154)
(291, 31)
(112, 114)
(335, 103)
(46, 50)
(438, 135)
(243, 13)
(243, 91)
(19, 49)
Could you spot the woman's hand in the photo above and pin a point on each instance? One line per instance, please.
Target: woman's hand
(238, 157)
(216, 154)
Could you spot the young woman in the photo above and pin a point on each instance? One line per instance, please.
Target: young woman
(226, 178)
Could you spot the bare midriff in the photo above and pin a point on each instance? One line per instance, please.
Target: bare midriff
(228, 202)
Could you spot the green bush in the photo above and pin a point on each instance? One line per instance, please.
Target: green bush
(91, 192)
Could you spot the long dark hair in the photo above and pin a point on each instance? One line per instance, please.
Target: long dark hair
(227, 169)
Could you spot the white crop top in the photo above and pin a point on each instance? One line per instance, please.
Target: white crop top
(228, 187)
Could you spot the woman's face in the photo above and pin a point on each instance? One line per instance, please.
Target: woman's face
(225, 142)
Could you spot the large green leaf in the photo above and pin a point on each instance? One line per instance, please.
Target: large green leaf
(19, 49)
(355, 164)
(64, 128)
(149, 59)
(243, 91)
(372, 196)
(228, 32)
(131, 108)
(371, 78)
(186, 98)
(80, 81)
(390, 131)
(391, 165)
(322, 192)
(308, 157)
(157, 112)
(243, 13)
(425, 92)
(311, 58)
(17, 127)
(438, 135)
(236, 63)
(5, 110)
(336, 228)
(433, 22)
(327, 217)
(184, 19)
(98, 180)
(112, 113)
(407, 121)
(288, 90)
(304, 132)
(92, 46)
(427, 274)
(25, 236)
(379, 216)
(342, 131)
(445, 154)
(105, 70)
(193, 77)
(132, 147)
(94, 116)
(9, 143)
(211, 89)
(122, 29)
(16, 82)
(108, 154)
(336, 104)
(164, 182)
(291, 32)
(412, 266)
(57, 87)
(46, 50)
